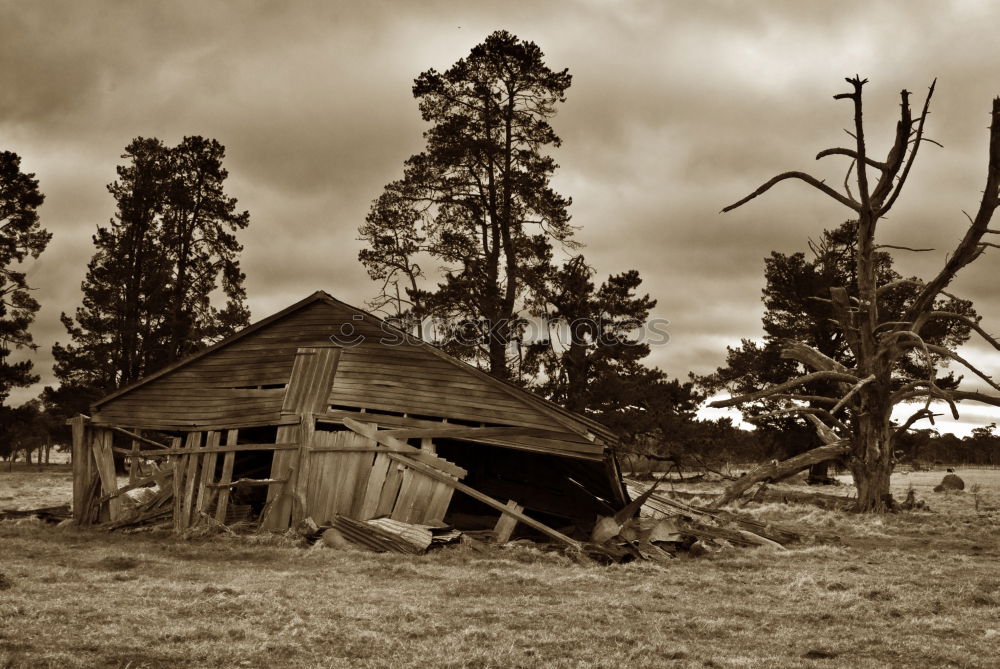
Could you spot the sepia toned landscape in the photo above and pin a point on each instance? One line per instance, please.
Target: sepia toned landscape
(564, 334)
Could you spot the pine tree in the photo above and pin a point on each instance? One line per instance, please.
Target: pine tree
(477, 200)
(21, 237)
(147, 292)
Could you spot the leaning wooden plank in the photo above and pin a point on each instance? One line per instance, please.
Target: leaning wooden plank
(360, 483)
(390, 489)
(232, 436)
(101, 448)
(136, 437)
(486, 499)
(440, 500)
(291, 446)
(367, 430)
(206, 494)
(407, 498)
(133, 462)
(449, 431)
(180, 469)
(279, 506)
(157, 478)
(506, 524)
(373, 487)
(190, 479)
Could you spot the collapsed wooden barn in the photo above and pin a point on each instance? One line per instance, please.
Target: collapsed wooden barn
(323, 410)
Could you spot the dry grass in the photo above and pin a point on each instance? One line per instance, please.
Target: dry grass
(918, 589)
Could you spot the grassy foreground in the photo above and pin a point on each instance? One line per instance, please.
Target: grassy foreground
(908, 590)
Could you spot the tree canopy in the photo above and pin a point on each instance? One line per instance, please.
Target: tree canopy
(477, 201)
(148, 290)
(21, 237)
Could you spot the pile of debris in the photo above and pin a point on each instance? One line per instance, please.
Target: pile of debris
(653, 527)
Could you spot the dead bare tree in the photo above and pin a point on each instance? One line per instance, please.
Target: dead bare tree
(865, 394)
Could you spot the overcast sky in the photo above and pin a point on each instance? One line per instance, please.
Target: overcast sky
(676, 109)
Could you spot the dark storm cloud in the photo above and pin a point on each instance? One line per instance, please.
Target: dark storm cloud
(676, 110)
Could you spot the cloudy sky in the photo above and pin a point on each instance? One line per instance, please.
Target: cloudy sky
(676, 109)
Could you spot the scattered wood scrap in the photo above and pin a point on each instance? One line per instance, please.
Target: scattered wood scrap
(711, 526)
(48, 514)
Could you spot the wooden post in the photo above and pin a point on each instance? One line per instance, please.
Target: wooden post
(506, 524)
(180, 469)
(133, 463)
(232, 437)
(206, 493)
(192, 442)
(82, 471)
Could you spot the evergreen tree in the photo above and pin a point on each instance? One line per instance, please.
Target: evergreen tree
(21, 237)
(147, 292)
(593, 360)
(477, 200)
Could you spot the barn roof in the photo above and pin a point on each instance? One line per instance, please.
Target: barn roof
(479, 397)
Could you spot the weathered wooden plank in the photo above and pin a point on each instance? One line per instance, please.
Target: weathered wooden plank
(369, 432)
(439, 503)
(179, 463)
(506, 523)
(360, 483)
(224, 449)
(232, 438)
(390, 489)
(82, 469)
(156, 423)
(447, 431)
(440, 424)
(104, 460)
(133, 462)
(439, 409)
(190, 478)
(373, 486)
(208, 461)
(318, 491)
(407, 498)
(284, 460)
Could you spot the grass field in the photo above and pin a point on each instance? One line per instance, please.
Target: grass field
(919, 589)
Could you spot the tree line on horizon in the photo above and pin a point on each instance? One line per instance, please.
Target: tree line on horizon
(473, 235)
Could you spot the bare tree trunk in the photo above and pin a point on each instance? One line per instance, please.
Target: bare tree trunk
(872, 461)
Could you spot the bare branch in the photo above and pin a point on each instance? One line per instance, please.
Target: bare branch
(850, 154)
(901, 248)
(947, 353)
(975, 396)
(922, 320)
(884, 208)
(809, 179)
(968, 248)
(858, 386)
(826, 435)
(805, 411)
(896, 284)
(777, 469)
(919, 415)
(782, 387)
(804, 398)
(810, 357)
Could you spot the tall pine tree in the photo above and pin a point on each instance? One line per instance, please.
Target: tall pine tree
(477, 200)
(21, 237)
(147, 292)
